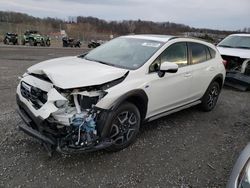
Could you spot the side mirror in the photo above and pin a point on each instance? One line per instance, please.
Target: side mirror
(167, 67)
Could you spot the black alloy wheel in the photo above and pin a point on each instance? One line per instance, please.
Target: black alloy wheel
(211, 96)
(124, 126)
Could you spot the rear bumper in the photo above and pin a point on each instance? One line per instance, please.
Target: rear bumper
(238, 80)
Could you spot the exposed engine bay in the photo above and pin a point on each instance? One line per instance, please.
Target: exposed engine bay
(238, 72)
(237, 64)
(78, 115)
(68, 117)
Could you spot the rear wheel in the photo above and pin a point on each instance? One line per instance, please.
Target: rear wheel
(42, 43)
(48, 43)
(211, 96)
(125, 124)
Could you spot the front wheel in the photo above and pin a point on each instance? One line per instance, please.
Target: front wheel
(211, 96)
(6, 41)
(125, 124)
(48, 43)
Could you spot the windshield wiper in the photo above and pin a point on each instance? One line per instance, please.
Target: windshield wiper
(226, 46)
(102, 62)
(105, 63)
(243, 47)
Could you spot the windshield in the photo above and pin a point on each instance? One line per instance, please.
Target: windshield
(236, 42)
(128, 53)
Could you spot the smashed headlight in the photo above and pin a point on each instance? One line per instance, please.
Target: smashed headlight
(77, 114)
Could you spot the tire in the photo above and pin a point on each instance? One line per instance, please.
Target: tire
(31, 42)
(7, 41)
(48, 43)
(211, 96)
(124, 126)
(42, 43)
(23, 42)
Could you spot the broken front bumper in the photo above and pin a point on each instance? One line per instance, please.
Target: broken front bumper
(34, 127)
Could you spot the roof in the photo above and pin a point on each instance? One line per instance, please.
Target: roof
(159, 38)
(241, 34)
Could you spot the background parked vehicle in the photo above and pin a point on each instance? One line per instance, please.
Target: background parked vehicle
(94, 44)
(10, 38)
(33, 38)
(235, 50)
(71, 42)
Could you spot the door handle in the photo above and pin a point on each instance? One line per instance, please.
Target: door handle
(188, 74)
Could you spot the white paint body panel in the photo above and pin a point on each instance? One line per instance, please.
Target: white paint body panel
(242, 53)
(49, 107)
(173, 90)
(73, 72)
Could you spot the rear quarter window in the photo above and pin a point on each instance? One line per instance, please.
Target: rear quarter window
(212, 52)
(200, 53)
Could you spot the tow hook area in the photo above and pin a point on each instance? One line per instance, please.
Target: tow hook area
(51, 145)
(101, 145)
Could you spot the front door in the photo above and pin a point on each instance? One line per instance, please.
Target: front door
(171, 90)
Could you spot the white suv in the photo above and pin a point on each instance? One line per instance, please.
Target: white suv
(99, 99)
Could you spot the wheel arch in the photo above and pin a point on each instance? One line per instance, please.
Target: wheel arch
(137, 97)
(218, 78)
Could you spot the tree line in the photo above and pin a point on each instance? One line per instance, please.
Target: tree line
(87, 28)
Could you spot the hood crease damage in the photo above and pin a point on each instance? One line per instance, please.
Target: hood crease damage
(75, 72)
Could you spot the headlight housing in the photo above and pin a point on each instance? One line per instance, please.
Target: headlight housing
(60, 103)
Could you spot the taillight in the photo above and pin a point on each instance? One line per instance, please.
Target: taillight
(224, 62)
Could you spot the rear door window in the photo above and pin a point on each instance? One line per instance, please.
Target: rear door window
(199, 53)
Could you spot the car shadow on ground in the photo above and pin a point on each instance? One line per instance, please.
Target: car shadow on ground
(169, 122)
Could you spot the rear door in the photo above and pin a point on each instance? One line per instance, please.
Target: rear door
(203, 68)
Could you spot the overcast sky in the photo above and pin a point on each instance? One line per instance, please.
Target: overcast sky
(215, 14)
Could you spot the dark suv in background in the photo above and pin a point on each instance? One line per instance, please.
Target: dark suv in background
(10, 38)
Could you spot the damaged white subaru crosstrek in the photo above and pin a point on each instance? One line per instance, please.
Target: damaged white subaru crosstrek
(99, 99)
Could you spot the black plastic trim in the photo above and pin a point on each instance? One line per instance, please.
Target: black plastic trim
(133, 93)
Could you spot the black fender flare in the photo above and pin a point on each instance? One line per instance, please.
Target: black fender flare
(220, 77)
(137, 96)
(133, 93)
(217, 77)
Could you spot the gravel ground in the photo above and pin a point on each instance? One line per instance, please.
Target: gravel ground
(186, 149)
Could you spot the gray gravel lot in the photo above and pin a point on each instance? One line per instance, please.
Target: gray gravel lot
(187, 149)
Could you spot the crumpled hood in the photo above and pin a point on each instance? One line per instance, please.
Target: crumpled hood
(242, 53)
(74, 72)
